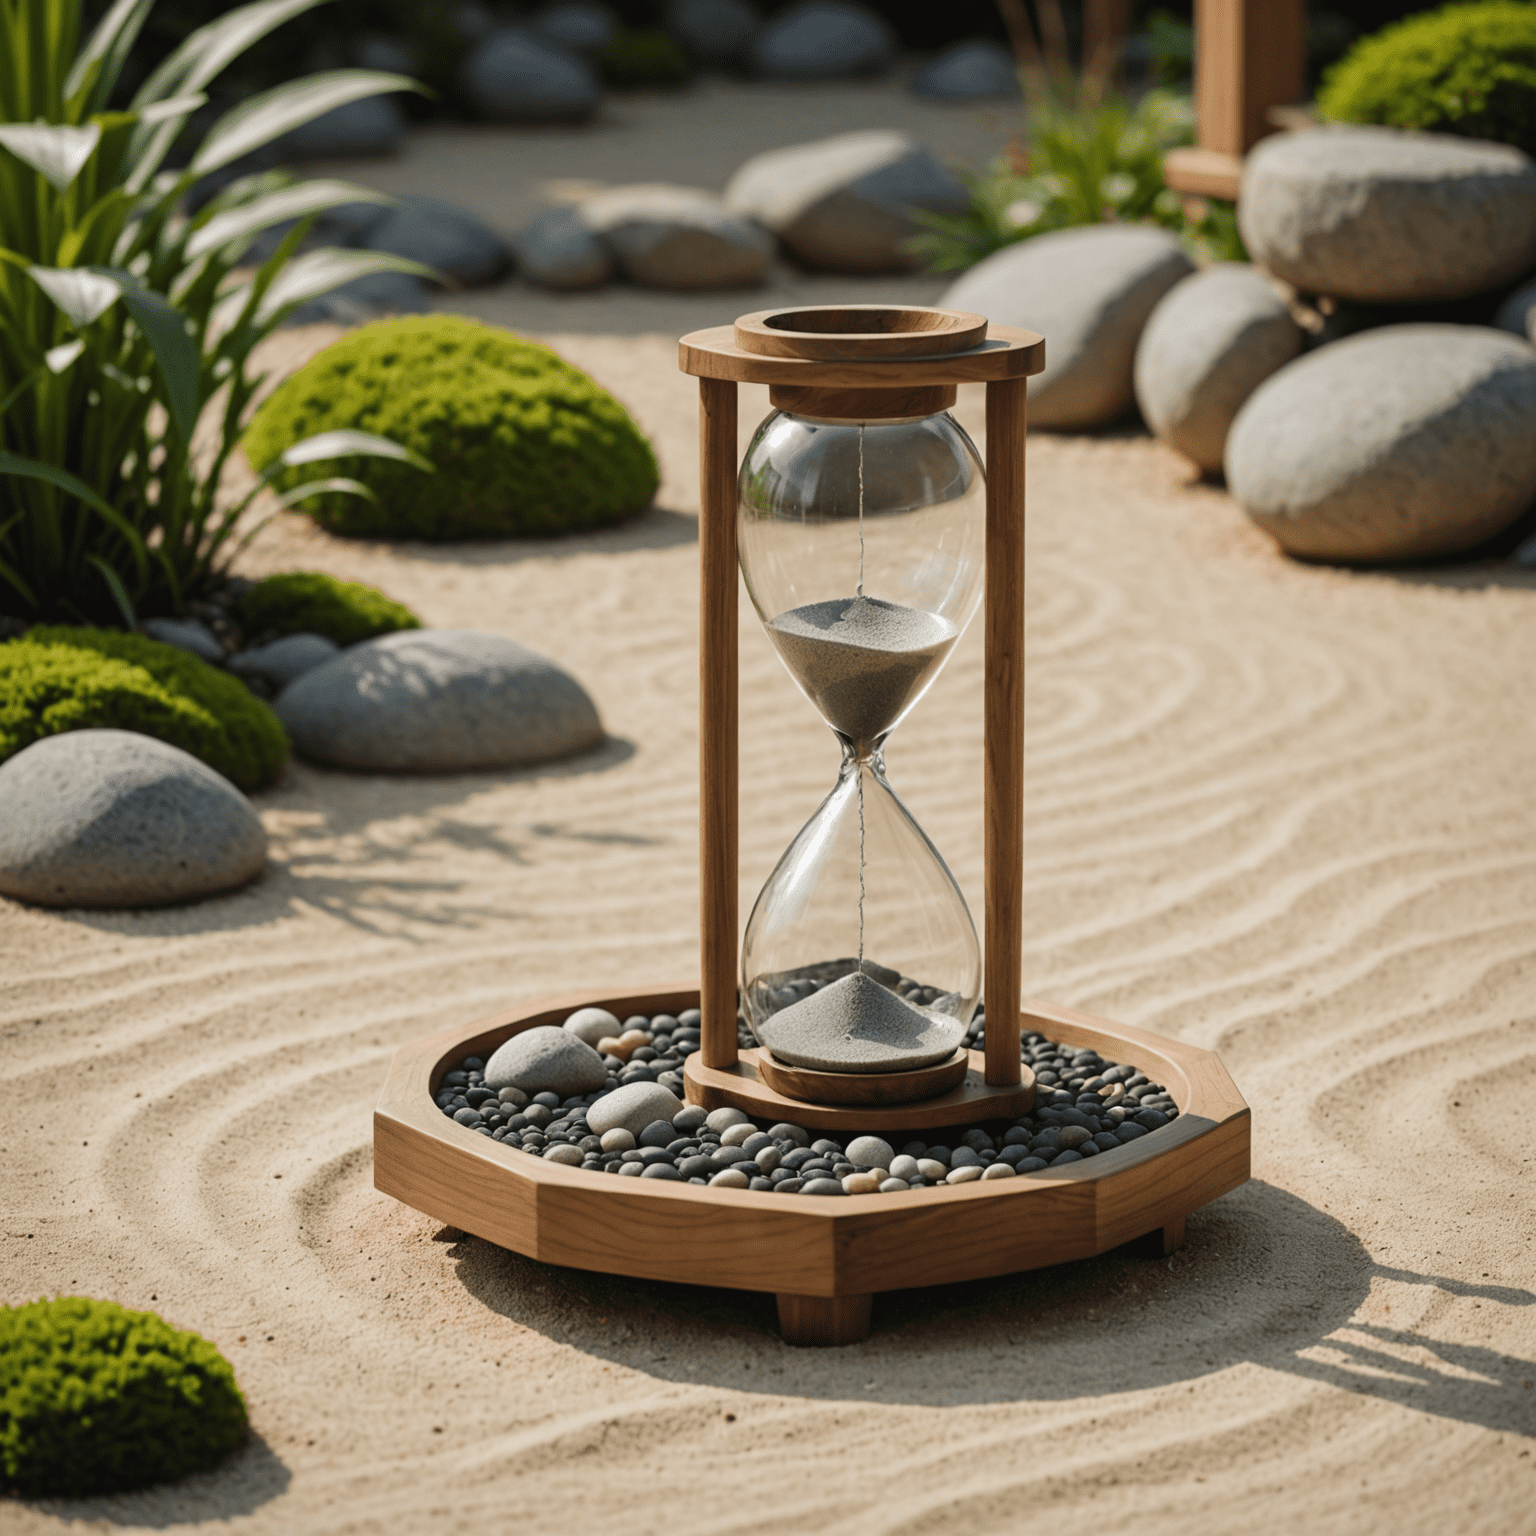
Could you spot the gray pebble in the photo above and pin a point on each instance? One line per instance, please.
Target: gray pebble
(563, 1152)
(904, 1166)
(660, 1171)
(723, 1119)
(821, 1187)
(657, 1134)
(893, 1186)
(787, 1132)
(690, 1117)
(730, 1178)
(790, 1186)
(870, 1152)
(724, 1157)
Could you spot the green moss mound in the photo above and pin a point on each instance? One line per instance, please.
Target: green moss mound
(1467, 69)
(97, 1399)
(309, 602)
(522, 442)
(643, 58)
(59, 679)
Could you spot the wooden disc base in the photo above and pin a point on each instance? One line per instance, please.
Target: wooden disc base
(816, 1087)
(745, 1086)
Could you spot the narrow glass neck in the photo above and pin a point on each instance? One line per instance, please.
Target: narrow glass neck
(873, 756)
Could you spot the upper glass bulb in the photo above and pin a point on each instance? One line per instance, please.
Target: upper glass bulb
(863, 547)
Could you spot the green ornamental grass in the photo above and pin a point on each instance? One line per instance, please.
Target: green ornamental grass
(97, 1399)
(523, 443)
(1466, 69)
(127, 324)
(311, 603)
(60, 679)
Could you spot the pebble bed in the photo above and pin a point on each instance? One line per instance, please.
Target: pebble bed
(1085, 1106)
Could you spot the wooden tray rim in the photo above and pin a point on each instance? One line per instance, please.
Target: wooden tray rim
(1206, 1102)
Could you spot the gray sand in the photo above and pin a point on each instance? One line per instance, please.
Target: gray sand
(856, 1025)
(861, 660)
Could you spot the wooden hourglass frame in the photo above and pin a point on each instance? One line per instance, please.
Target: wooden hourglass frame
(865, 362)
(825, 1258)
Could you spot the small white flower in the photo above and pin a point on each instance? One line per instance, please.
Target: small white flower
(1024, 211)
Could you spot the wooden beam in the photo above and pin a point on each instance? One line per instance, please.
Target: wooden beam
(717, 721)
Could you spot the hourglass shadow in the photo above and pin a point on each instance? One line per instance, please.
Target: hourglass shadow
(1265, 1278)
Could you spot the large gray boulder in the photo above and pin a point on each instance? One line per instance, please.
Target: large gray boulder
(512, 76)
(844, 203)
(438, 701)
(579, 25)
(715, 33)
(978, 69)
(557, 250)
(824, 40)
(664, 236)
(1402, 442)
(546, 1059)
(116, 819)
(443, 236)
(1389, 217)
(1518, 312)
(1211, 341)
(1089, 292)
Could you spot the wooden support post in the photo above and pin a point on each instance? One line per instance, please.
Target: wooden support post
(717, 721)
(1249, 57)
(821, 1321)
(1004, 785)
(1173, 1236)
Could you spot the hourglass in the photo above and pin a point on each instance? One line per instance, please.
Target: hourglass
(866, 529)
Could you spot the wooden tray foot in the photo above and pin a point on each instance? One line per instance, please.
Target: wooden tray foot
(1171, 1238)
(819, 1321)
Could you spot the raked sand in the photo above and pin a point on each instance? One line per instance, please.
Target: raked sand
(1285, 812)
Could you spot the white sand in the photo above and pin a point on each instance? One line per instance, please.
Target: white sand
(1278, 810)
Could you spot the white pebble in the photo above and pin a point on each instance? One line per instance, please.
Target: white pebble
(729, 1178)
(866, 1183)
(1000, 1171)
(734, 1135)
(904, 1167)
(592, 1025)
(724, 1119)
(563, 1152)
(892, 1186)
(767, 1158)
(618, 1140)
(932, 1168)
(512, 1096)
(963, 1175)
(870, 1152)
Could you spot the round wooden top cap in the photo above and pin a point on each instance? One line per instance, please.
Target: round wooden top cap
(859, 332)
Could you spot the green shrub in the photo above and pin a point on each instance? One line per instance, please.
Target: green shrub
(56, 679)
(643, 58)
(344, 611)
(95, 1399)
(522, 442)
(1467, 69)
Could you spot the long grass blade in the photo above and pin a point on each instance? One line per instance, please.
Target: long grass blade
(57, 153)
(165, 329)
(117, 589)
(83, 295)
(307, 277)
(272, 113)
(338, 444)
(274, 208)
(210, 49)
(108, 46)
(319, 487)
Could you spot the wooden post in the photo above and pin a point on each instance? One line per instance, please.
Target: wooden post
(717, 721)
(823, 1321)
(1004, 784)
(1105, 24)
(1249, 57)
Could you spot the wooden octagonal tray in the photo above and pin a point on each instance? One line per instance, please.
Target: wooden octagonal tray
(824, 1258)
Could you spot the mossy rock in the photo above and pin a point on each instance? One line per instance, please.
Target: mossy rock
(308, 602)
(521, 442)
(1466, 69)
(97, 1399)
(60, 679)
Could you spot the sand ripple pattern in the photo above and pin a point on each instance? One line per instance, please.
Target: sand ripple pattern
(1282, 811)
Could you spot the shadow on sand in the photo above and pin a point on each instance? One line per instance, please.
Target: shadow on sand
(1264, 1278)
(252, 1477)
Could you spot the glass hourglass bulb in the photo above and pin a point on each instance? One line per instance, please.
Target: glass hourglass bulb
(862, 546)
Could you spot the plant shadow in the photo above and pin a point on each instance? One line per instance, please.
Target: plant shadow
(349, 854)
(252, 1477)
(1265, 1277)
